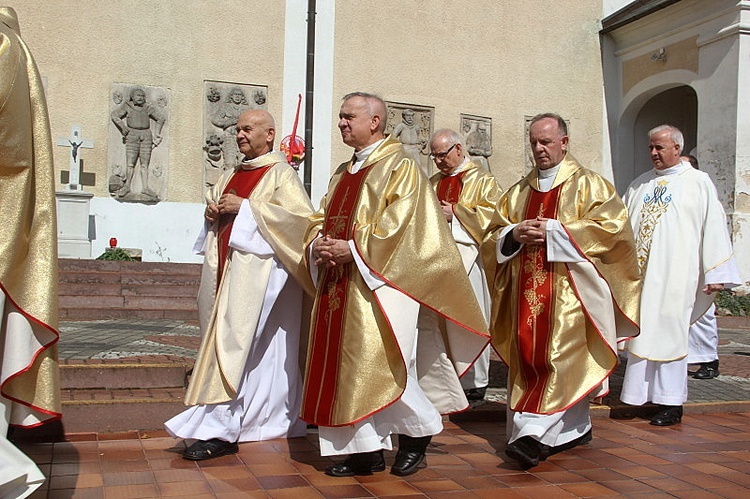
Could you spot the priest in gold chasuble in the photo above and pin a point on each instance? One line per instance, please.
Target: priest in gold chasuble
(566, 288)
(29, 379)
(381, 251)
(468, 194)
(246, 383)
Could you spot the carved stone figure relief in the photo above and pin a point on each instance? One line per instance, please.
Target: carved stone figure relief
(222, 107)
(138, 142)
(412, 125)
(477, 134)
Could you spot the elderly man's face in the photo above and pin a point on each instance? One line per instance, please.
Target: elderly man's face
(446, 154)
(664, 151)
(253, 136)
(548, 144)
(355, 123)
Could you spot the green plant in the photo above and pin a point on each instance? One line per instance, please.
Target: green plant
(732, 304)
(116, 254)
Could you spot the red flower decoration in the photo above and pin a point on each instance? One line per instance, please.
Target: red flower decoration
(112, 242)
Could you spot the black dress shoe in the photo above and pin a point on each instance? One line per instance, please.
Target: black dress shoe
(475, 393)
(527, 451)
(410, 457)
(209, 449)
(669, 415)
(708, 370)
(363, 463)
(582, 440)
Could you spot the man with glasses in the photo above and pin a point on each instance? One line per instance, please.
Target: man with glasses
(468, 194)
(566, 286)
(381, 251)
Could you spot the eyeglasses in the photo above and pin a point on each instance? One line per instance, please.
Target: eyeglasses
(439, 156)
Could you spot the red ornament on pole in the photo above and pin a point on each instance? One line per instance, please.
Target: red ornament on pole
(292, 145)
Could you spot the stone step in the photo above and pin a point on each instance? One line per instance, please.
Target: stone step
(97, 289)
(122, 376)
(109, 411)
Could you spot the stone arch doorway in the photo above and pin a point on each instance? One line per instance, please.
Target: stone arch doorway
(677, 106)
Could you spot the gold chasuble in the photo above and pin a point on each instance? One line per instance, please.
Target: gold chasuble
(29, 376)
(230, 301)
(390, 212)
(474, 193)
(556, 324)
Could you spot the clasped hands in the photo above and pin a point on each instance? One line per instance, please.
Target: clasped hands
(331, 252)
(228, 204)
(532, 231)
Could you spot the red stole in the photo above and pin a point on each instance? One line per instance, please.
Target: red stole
(536, 296)
(329, 314)
(449, 188)
(241, 184)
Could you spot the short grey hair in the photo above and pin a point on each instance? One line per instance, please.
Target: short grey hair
(674, 133)
(449, 134)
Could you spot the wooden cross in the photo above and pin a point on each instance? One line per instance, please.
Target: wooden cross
(75, 178)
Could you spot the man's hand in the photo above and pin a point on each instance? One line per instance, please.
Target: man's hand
(332, 252)
(712, 288)
(212, 212)
(447, 210)
(229, 203)
(533, 231)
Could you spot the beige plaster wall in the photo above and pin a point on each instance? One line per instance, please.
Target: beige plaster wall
(502, 60)
(83, 46)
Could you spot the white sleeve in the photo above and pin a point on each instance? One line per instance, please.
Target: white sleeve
(726, 274)
(559, 247)
(245, 235)
(459, 233)
(199, 247)
(373, 281)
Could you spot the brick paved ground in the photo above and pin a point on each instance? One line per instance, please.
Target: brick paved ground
(707, 455)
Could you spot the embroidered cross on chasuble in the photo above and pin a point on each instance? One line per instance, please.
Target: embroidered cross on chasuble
(535, 306)
(328, 317)
(449, 188)
(241, 184)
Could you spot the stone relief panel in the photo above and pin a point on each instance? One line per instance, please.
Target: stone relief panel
(222, 106)
(412, 125)
(138, 152)
(477, 134)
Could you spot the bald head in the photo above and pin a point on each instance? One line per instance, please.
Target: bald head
(256, 131)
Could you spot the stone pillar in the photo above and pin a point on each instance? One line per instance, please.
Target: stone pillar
(73, 208)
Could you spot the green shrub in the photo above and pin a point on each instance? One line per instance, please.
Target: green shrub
(116, 254)
(729, 303)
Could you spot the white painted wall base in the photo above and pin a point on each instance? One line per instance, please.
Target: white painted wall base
(73, 224)
(164, 231)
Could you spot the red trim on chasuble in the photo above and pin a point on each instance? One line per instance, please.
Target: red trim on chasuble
(328, 316)
(449, 188)
(242, 184)
(535, 307)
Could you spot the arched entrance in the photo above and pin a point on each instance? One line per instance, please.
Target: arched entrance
(676, 105)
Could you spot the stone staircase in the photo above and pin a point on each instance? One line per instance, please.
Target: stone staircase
(95, 289)
(113, 395)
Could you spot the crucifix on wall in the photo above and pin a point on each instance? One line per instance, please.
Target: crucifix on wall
(76, 178)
